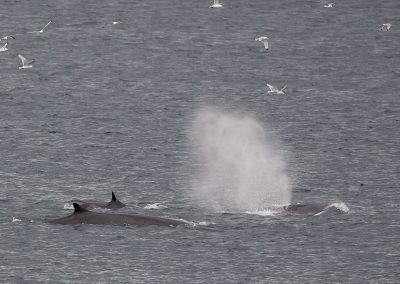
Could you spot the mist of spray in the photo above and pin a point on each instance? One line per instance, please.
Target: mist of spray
(241, 168)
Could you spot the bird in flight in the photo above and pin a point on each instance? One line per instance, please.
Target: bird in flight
(216, 4)
(25, 62)
(275, 90)
(264, 40)
(4, 47)
(7, 37)
(329, 5)
(41, 31)
(386, 27)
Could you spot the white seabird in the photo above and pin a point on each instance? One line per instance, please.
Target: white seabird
(114, 23)
(216, 4)
(275, 90)
(329, 5)
(41, 31)
(7, 37)
(25, 63)
(386, 27)
(4, 47)
(264, 40)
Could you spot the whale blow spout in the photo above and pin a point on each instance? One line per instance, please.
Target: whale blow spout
(240, 165)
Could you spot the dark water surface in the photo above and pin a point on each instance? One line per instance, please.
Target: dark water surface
(108, 107)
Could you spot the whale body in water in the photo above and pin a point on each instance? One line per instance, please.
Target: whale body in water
(84, 216)
(113, 204)
(307, 209)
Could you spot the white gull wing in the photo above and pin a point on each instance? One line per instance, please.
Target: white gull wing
(45, 26)
(31, 62)
(272, 89)
(280, 91)
(216, 4)
(25, 61)
(41, 31)
(7, 37)
(386, 26)
(261, 38)
(264, 40)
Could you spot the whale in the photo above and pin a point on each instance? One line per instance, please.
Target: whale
(114, 204)
(307, 209)
(84, 216)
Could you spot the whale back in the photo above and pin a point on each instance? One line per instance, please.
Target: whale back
(83, 216)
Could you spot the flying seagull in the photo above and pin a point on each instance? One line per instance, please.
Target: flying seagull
(41, 31)
(264, 40)
(329, 5)
(25, 63)
(114, 23)
(216, 4)
(275, 90)
(7, 37)
(4, 47)
(386, 27)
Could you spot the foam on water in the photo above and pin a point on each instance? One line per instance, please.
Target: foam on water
(191, 224)
(341, 206)
(265, 212)
(206, 223)
(241, 168)
(68, 206)
(155, 206)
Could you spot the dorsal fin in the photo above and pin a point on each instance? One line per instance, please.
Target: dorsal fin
(78, 208)
(113, 198)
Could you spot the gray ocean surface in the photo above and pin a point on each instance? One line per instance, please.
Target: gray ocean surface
(109, 108)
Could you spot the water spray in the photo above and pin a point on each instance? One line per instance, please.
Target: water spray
(240, 166)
